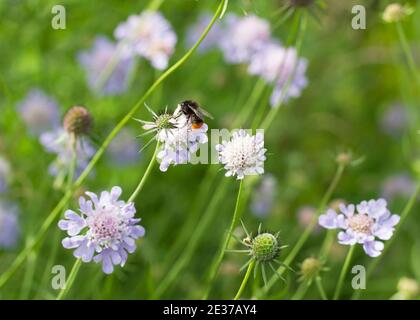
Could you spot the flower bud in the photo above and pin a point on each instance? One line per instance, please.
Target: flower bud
(343, 158)
(408, 287)
(78, 120)
(396, 12)
(310, 268)
(265, 247)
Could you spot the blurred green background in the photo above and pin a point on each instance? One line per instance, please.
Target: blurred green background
(354, 77)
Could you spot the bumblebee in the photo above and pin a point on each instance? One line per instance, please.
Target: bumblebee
(194, 113)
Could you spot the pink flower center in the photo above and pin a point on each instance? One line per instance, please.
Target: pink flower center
(106, 226)
(361, 223)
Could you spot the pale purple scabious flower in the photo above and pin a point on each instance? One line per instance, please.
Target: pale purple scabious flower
(243, 154)
(105, 55)
(180, 142)
(39, 112)
(400, 185)
(394, 120)
(263, 196)
(59, 143)
(124, 149)
(4, 174)
(243, 37)
(9, 227)
(105, 231)
(148, 35)
(196, 30)
(306, 215)
(363, 224)
(276, 65)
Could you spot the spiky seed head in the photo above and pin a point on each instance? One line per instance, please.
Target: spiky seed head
(265, 247)
(395, 12)
(301, 3)
(163, 121)
(310, 268)
(78, 120)
(408, 287)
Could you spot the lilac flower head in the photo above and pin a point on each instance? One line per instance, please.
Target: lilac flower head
(148, 35)
(243, 154)
(394, 120)
(276, 64)
(196, 30)
(39, 112)
(124, 149)
(9, 227)
(263, 196)
(180, 142)
(59, 143)
(104, 56)
(105, 230)
(362, 224)
(4, 174)
(243, 37)
(400, 185)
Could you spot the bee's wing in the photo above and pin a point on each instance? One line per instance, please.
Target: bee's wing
(201, 113)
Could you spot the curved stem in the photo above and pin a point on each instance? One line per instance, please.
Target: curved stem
(307, 232)
(216, 263)
(321, 288)
(343, 272)
(67, 196)
(245, 280)
(145, 175)
(70, 280)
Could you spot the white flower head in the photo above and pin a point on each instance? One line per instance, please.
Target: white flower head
(243, 155)
(148, 35)
(179, 142)
(363, 224)
(243, 37)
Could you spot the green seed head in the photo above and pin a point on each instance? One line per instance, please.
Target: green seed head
(265, 247)
(311, 267)
(78, 120)
(163, 121)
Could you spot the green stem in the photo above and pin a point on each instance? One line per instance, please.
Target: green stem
(216, 263)
(73, 163)
(5, 276)
(321, 288)
(145, 175)
(404, 215)
(252, 101)
(406, 48)
(245, 280)
(70, 280)
(307, 232)
(301, 290)
(343, 272)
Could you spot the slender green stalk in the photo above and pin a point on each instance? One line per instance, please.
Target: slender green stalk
(5, 276)
(408, 54)
(301, 290)
(404, 215)
(225, 244)
(245, 280)
(343, 272)
(69, 283)
(73, 162)
(320, 287)
(249, 106)
(145, 175)
(307, 232)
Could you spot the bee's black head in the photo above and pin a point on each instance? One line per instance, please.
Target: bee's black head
(189, 104)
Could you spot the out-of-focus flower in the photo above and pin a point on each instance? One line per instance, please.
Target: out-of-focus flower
(105, 231)
(107, 72)
(306, 216)
(394, 120)
(400, 185)
(78, 121)
(124, 149)
(9, 227)
(408, 289)
(148, 35)
(243, 155)
(180, 142)
(243, 37)
(371, 220)
(60, 143)
(395, 12)
(4, 174)
(263, 196)
(39, 112)
(282, 67)
(310, 269)
(196, 30)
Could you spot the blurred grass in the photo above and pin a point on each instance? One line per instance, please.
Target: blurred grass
(353, 77)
